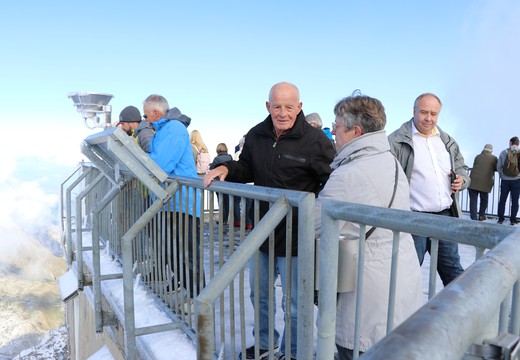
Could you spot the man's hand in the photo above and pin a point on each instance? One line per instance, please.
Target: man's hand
(456, 185)
(219, 172)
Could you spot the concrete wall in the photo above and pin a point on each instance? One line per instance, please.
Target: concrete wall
(84, 340)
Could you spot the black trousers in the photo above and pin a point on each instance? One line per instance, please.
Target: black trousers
(185, 255)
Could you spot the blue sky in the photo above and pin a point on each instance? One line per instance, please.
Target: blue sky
(216, 61)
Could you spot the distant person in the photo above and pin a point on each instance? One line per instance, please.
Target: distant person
(508, 170)
(238, 147)
(482, 179)
(265, 161)
(435, 168)
(221, 158)
(314, 120)
(200, 151)
(170, 148)
(364, 166)
(130, 121)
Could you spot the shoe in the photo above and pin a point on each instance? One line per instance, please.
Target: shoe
(281, 356)
(482, 218)
(513, 223)
(236, 224)
(250, 353)
(249, 227)
(500, 221)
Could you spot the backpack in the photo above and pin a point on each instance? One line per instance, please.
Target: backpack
(202, 164)
(511, 165)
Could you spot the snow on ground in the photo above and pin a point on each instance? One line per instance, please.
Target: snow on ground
(55, 344)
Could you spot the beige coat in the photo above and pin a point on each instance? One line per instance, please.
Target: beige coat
(366, 176)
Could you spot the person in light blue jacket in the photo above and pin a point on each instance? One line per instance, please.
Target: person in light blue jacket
(170, 148)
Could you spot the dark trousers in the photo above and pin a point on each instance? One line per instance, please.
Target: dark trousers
(225, 206)
(448, 265)
(345, 354)
(506, 187)
(184, 251)
(473, 199)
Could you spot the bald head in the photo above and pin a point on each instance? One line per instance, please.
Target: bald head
(284, 106)
(284, 87)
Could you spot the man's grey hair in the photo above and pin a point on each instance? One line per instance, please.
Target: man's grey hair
(423, 95)
(314, 118)
(157, 102)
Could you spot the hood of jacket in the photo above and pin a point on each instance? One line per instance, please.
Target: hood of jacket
(175, 114)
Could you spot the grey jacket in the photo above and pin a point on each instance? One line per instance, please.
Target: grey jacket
(502, 160)
(401, 144)
(143, 135)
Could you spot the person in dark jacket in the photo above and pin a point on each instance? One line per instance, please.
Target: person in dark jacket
(131, 122)
(283, 152)
(482, 179)
(221, 158)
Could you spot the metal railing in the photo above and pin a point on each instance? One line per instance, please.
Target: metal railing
(462, 314)
(124, 216)
(494, 196)
(135, 216)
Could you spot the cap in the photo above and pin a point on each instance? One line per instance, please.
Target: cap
(129, 114)
(488, 147)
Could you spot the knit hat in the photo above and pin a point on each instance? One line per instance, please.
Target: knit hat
(129, 114)
(488, 147)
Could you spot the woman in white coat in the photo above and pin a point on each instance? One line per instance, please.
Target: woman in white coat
(364, 172)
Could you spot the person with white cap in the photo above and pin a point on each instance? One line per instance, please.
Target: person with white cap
(482, 179)
(131, 122)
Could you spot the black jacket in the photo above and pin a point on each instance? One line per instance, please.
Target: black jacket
(299, 160)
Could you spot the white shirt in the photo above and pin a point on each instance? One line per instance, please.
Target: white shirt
(430, 183)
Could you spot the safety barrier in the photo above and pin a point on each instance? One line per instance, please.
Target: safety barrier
(130, 208)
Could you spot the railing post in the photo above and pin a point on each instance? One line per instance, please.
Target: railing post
(329, 245)
(306, 249)
(128, 274)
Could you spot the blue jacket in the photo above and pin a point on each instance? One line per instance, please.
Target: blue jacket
(170, 148)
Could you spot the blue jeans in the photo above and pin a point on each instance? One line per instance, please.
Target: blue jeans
(263, 284)
(448, 264)
(506, 187)
(473, 197)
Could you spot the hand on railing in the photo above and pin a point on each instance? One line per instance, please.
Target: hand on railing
(219, 172)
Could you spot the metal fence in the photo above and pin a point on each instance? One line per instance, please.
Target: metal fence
(140, 219)
(480, 305)
(494, 196)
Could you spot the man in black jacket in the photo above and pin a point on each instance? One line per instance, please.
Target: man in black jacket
(285, 152)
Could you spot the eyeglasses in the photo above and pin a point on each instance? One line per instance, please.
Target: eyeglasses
(145, 117)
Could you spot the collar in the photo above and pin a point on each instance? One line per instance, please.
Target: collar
(433, 132)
